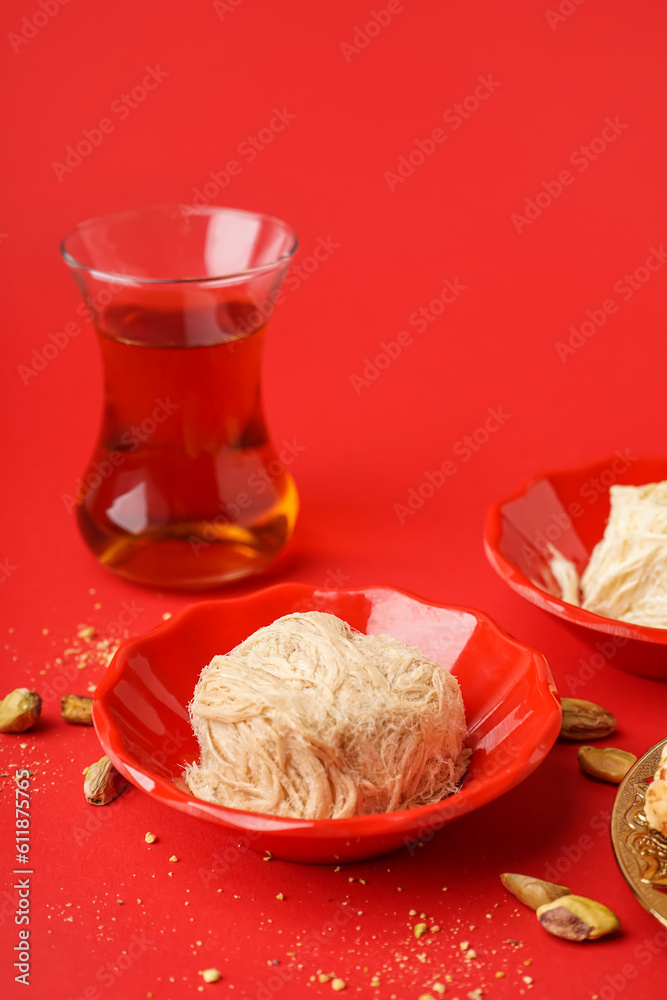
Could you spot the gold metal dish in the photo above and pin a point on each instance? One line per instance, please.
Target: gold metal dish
(641, 852)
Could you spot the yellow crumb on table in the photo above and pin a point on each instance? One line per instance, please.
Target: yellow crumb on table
(210, 975)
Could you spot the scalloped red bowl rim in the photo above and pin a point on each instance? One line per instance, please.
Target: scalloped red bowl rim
(520, 583)
(477, 793)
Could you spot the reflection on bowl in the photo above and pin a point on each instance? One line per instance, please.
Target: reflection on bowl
(569, 510)
(512, 711)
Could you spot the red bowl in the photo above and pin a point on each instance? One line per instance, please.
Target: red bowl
(570, 509)
(512, 710)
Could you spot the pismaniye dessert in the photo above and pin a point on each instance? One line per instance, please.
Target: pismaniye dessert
(309, 718)
(626, 577)
(655, 803)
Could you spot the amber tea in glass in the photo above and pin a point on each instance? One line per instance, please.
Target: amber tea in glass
(184, 488)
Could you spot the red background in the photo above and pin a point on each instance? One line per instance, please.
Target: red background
(325, 173)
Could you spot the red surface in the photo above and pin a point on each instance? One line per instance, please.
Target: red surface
(569, 510)
(383, 255)
(512, 711)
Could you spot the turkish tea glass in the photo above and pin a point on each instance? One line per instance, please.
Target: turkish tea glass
(184, 488)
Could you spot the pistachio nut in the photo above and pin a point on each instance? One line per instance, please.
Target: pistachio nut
(19, 710)
(576, 918)
(533, 892)
(77, 709)
(605, 763)
(584, 720)
(103, 783)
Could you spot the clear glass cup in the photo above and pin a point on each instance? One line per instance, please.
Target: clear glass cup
(184, 487)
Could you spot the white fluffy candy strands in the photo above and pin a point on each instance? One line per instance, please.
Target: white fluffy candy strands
(311, 719)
